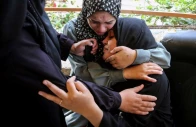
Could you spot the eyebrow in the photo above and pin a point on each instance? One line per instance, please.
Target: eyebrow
(99, 22)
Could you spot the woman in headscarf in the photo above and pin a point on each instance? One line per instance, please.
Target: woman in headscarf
(161, 115)
(88, 25)
(31, 51)
(97, 27)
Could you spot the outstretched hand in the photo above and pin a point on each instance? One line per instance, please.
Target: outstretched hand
(79, 47)
(142, 71)
(137, 103)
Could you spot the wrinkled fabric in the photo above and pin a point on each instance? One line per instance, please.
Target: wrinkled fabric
(31, 51)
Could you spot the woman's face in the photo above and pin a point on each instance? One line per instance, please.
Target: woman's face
(101, 22)
(110, 43)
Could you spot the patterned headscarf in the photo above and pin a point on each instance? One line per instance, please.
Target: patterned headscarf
(83, 30)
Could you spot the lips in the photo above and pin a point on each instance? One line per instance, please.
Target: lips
(100, 33)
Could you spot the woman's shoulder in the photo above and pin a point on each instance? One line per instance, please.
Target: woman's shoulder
(69, 29)
(70, 24)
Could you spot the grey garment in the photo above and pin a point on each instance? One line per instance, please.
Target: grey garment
(106, 77)
(93, 72)
(74, 119)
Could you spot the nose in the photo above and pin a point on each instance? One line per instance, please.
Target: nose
(105, 41)
(102, 28)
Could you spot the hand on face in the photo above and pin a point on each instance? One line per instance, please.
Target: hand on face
(119, 57)
(136, 103)
(79, 47)
(142, 71)
(122, 57)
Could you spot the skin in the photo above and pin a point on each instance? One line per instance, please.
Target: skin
(116, 54)
(80, 100)
(138, 104)
(78, 48)
(101, 22)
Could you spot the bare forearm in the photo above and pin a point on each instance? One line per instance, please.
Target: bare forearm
(94, 116)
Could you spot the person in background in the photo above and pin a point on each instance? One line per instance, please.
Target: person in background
(94, 21)
(31, 51)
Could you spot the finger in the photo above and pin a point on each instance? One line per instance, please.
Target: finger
(155, 66)
(148, 97)
(147, 78)
(113, 62)
(94, 42)
(116, 49)
(88, 42)
(110, 59)
(56, 90)
(141, 113)
(80, 87)
(146, 109)
(138, 88)
(153, 71)
(147, 104)
(71, 85)
(50, 97)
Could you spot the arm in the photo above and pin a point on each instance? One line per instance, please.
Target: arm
(88, 71)
(83, 103)
(103, 76)
(31, 71)
(143, 47)
(157, 55)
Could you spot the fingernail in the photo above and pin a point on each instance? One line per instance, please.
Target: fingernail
(45, 82)
(40, 93)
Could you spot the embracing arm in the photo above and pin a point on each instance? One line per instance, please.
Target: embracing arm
(88, 71)
(158, 55)
(142, 47)
(83, 102)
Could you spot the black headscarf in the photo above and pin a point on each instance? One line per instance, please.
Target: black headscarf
(83, 30)
(133, 33)
(30, 15)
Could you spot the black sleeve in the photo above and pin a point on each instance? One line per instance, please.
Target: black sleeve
(110, 120)
(65, 44)
(28, 65)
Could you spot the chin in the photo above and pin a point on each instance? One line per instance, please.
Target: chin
(100, 33)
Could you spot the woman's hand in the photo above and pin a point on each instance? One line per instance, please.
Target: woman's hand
(136, 103)
(122, 57)
(79, 47)
(78, 99)
(142, 71)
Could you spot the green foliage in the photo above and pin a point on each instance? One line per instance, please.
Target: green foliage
(59, 19)
(182, 6)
